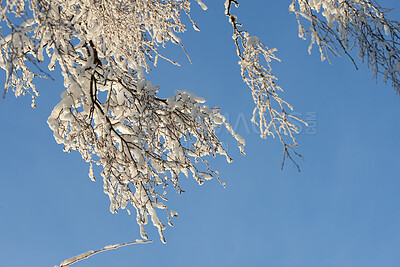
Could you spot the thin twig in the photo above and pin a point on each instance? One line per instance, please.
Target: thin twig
(90, 253)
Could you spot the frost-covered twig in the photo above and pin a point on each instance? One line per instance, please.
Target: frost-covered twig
(270, 113)
(338, 26)
(142, 142)
(90, 253)
(127, 30)
(109, 112)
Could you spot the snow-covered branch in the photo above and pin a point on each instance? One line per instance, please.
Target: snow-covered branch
(109, 112)
(142, 142)
(338, 26)
(90, 253)
(271, 111)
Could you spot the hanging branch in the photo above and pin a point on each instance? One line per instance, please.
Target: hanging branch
(338, 27)
(270, 113)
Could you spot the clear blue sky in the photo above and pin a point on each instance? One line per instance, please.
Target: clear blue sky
(341, 210)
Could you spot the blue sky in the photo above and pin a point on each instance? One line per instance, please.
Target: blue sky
(341, 210)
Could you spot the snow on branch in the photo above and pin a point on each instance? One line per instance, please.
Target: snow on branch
(339, 26)
(90, 253)
(142, 142)
(124, 30)
(271, 111)
(109, 112)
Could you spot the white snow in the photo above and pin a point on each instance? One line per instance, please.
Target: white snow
(203, 6)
